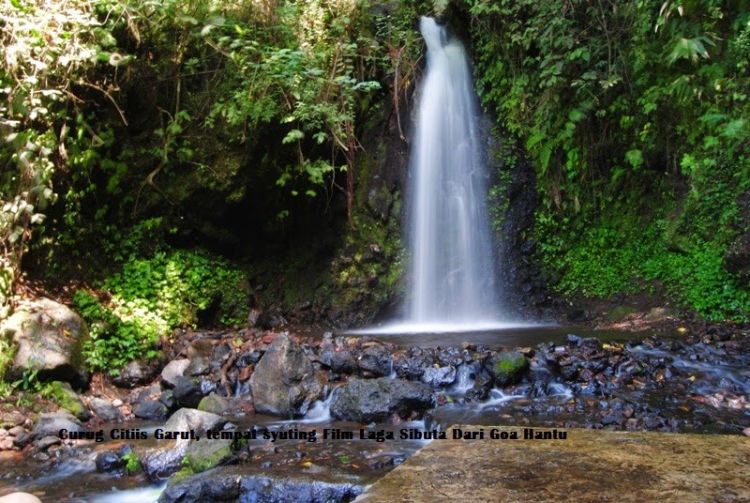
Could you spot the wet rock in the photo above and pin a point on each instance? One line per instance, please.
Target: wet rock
(450, 356)
(482, 387)
(375, 361)
(284, 381)
(49, 338)
(164, 460)
(51, 423)
(104, 410)
(228, 485)
(375, 400)
(343, 362)
(135, 373)
(64, 396)
(202, 456)
(412, 364)
(187, 393)
(172, 371)
(506, 367)
(214, 403)
(439, 376)
(150, 409)
(109, 462)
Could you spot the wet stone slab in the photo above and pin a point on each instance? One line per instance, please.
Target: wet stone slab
(588, 466)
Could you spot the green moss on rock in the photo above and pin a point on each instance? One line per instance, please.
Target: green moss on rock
(506, 367)
(64, 396)
(202, 456)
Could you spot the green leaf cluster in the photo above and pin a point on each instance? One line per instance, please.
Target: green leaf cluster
(137, 307)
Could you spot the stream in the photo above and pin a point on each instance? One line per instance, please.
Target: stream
(618, 380)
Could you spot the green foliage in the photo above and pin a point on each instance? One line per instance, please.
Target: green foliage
(621, 106)
(50, 54)
(149, 297)
(132, 463)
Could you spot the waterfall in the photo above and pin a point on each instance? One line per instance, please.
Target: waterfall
(451, 271)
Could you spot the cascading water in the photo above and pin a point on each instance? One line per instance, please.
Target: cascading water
(452, 274)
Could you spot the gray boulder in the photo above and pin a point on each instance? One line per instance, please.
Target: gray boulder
(375, 400)
(51, 423)
(172, 371)
(104, 410)
(49, 337)
(284, 381)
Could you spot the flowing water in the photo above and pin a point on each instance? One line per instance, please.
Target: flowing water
(452, 274)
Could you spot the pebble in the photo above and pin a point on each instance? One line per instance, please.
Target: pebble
(117, 402)
(6, 444)
(746, 431)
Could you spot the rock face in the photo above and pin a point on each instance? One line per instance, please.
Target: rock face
(373, 400)
(284, 382)
(49, 337)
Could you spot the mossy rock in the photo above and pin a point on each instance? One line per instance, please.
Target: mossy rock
(214, 403)
(202, 456)
(63, 395)
(507, 367)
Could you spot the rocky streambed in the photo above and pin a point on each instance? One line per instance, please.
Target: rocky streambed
(307, 417)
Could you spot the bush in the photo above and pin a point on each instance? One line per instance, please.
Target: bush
(150, 297)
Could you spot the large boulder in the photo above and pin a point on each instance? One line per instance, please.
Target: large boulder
(49, 338)
(284, 381)
(375, 400)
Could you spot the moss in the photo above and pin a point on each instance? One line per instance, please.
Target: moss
(132, 463)
(506, 366)
(63, 395)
